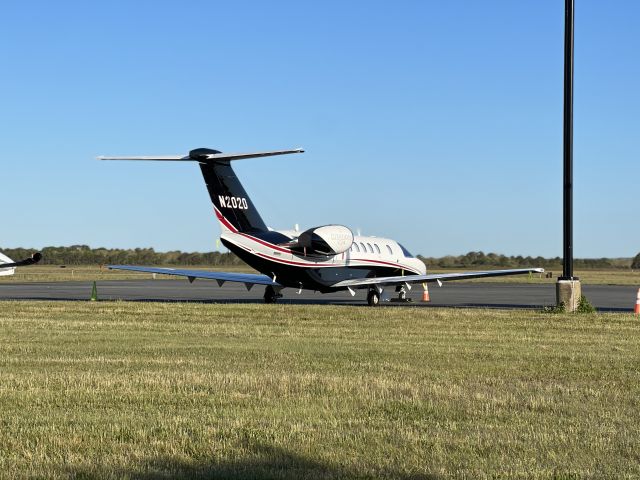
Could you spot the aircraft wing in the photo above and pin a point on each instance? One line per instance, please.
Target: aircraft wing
(6, 262)
(8, 266)
(436, 277)
(249, 279)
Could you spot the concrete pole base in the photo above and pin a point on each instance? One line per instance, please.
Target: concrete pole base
(569, 293)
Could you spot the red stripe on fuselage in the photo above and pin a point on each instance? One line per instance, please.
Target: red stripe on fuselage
(266, 244)
(291, 262)
(397, 265)
(339, 265)
(224, 221)
(228, 224)
(378, 263)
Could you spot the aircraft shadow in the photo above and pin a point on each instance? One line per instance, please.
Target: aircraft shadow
(263, 462)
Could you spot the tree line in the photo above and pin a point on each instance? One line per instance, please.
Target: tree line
(481, 259)
(85, 255)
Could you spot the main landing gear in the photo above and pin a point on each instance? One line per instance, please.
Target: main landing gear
(271, 295)
(373, 297)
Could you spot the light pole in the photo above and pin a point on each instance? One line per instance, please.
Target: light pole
(568, 289)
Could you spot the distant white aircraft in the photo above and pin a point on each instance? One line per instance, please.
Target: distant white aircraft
(8, 266)
(326, 259)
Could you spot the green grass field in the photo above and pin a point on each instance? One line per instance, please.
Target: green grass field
(166, 390)
(53, 273)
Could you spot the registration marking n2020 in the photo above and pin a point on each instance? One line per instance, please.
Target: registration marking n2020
(233, 202)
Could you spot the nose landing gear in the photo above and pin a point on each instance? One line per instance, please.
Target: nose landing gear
(402, 294)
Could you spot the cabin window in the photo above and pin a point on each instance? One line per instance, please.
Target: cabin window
(364, 249)
(390, 251)
(355, 248)
(377, 248)
(370, 247)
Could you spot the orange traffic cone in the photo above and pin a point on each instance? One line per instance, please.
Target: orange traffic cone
(425, 293)
(637, 309)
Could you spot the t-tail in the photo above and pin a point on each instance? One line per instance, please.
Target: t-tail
(233, 207)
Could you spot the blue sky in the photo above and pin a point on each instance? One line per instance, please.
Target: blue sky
(438, 124)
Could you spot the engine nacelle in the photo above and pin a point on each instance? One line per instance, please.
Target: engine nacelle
(326, 240)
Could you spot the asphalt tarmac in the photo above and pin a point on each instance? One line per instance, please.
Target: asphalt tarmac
(452, 294)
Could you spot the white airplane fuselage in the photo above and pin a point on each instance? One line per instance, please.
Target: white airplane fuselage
(366, 257)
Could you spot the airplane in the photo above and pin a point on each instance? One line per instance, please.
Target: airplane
(8, 266)
(326, 258)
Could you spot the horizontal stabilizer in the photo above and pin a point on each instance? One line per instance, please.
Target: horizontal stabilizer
(169, 158)
(240, 156)
(205, 155)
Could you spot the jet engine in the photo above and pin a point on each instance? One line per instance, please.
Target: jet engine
(325, 240)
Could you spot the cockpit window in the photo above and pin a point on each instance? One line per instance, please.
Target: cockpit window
(405, 252)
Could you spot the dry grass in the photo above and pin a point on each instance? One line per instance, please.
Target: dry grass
(153, 390)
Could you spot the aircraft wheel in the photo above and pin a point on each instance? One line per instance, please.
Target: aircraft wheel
(270, 295)
(373, 298)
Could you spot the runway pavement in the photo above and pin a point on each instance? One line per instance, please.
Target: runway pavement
(481, 295)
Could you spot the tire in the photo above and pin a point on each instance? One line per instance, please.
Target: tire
(373, 298)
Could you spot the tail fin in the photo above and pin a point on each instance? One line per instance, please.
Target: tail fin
(234, 208)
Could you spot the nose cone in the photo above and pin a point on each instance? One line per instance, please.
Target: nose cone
(419, 265)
